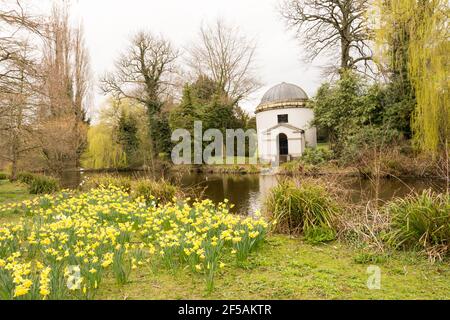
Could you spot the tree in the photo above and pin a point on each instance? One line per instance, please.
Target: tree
(219, 114)
(15, 25)
(127, 135)
(227, 58)
(326, 27)
(187, 112)
(18, 83)
(102, 150)
(344, 107)
(66, 86)
(143, 73)
(205, 101)
(17, 109)
(119, 138)
(425, 42)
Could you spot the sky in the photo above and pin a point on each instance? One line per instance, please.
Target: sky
(108, 24)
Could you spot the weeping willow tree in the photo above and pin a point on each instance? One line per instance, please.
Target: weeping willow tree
(120, 138)
(103, 151)
(414, 36)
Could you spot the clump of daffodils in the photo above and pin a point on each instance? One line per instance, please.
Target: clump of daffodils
(74, 240)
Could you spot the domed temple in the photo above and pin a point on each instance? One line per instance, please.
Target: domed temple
(283, 122)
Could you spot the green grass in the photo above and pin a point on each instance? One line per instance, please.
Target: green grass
(12, 192)
(287, 268)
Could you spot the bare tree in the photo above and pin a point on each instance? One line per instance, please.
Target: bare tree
(18, 82)
(327, 27)
(226, 57)
(144, 73)
(15, 25)
(17, 110)
(66, 89)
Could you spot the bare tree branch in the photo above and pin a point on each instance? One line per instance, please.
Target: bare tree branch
(326, 25)
(227, 57)
(144, 72)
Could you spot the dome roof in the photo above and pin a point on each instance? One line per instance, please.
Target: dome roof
(283, 95)
(284, 92)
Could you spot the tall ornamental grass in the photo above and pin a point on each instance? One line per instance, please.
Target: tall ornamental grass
(162, 191)
(41, 184)
(306, 208)
(421, 221)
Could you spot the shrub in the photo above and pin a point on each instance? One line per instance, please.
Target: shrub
(421, 221)
(316, 156)
(42, 184)
(25, 177)
(319, 234)
(4, 176)
(107, 180)
(307, 208)
(297, 167)
(162, 191)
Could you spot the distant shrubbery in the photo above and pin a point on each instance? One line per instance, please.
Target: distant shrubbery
(43, 184)
(310, 162)
(316, 156)
(4, 176)
(25, 177)
(38, 184)
(162, 191)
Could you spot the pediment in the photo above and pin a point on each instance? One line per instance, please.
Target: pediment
(284, 125)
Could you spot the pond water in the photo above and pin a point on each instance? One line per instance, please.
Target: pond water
(247, 192)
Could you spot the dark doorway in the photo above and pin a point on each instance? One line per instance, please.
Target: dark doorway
(283, 144)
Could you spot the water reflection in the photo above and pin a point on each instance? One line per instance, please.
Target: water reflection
(247, 192)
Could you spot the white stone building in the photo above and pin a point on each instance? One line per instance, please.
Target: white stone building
(283, 123)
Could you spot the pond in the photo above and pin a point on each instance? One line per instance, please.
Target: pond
(247, 192)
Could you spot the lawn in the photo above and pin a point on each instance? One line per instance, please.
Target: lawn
(11, 192)
(287, 268)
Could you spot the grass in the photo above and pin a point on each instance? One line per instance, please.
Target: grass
(306, 208)
(12, 192)
(287, 268)
(421, 221)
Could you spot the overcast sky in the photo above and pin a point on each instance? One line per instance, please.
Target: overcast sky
(109, 23)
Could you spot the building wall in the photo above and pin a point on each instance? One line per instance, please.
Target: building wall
(298, 117)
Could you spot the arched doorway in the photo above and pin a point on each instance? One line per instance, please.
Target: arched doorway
(283, 146)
